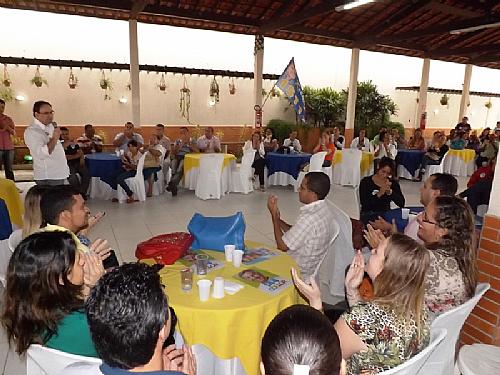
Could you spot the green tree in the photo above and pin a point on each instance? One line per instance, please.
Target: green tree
(323, 106)
(373, 109)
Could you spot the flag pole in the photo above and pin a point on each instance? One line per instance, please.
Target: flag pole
(268, 94)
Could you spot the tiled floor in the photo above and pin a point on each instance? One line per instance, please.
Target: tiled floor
(127, 224)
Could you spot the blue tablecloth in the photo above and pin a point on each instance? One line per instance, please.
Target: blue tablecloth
(5, 224)
(410, 159)
(396, 214)
(104, 166)
(287, 163)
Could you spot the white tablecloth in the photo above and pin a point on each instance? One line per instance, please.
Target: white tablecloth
(459, 162)
(191, 177)
(101, 190)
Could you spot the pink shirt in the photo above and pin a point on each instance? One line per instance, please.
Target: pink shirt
(5, 137)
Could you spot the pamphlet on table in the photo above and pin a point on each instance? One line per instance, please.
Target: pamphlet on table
(263, 280)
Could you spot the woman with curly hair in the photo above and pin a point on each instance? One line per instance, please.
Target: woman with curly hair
(47, 282)
(447, 228)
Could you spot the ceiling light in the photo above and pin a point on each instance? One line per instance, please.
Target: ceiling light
(474, 28)
(123, 100)
(20, 98)
(352, 4)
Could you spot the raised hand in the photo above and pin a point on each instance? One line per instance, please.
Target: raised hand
(310, 291)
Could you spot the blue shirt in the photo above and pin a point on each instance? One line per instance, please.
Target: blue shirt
(107, 370)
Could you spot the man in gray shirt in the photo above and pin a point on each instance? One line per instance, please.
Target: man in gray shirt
(121, 139)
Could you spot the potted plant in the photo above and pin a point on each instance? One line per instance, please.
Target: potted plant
(444, 100)
(38, 80)
(106, 84)
(6, 80)
(72, 80)
(232, 87)
(162, 85)
(488, 104)
(7, 94)
(214, 91)
(275, 93)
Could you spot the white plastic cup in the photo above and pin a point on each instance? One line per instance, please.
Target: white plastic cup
(117, 152)
(405, 213)
(204, 289)
(228, 250)
(237, 258)
(218, 287)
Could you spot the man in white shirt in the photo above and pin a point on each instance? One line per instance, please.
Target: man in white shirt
(307, 241)
(167, 145)
(361, 142)
(121, 139)
(293, 142)
(209, 143)
(42, 139)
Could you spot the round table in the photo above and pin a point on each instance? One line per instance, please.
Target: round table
(396, 214)
(192, 169)
(231, 327)
(459, 162)
(12, 199)
(365, 165)
(283, 169)
(104, 168)
(408, 162)
(5, 224)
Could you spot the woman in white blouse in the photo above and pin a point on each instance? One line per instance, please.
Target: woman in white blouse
(256, 145)
(361, 142)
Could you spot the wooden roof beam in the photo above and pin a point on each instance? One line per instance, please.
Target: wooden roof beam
(455, 11)
(493, 58)
(137, 8)
(282, 23)
(490, 48)
(320, 33)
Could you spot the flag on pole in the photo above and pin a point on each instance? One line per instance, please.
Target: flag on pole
(290, 85)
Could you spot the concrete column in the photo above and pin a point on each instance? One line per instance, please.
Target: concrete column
(464, 100)
(351, 98)
(422, 94)
(134, 73)
(258, 53)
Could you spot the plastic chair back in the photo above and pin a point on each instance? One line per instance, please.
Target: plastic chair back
(208, 184)
(335, 233)
(351, 173)
(442, 360)
(41, 360)
(135, 183)
(316, 162)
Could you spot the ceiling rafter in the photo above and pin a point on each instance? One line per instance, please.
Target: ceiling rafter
(490, 48)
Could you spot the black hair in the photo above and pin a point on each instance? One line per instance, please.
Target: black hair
(301, 335)
(64, 128)
(38, 104)
(160, 126)
(126, 311)
(88, 126)
(56, 200)
(319, 183)
(445, 183)
(129, 123)
(185, 128)
(132, 142)
(2, 101)
(387, 162)
(382, 135)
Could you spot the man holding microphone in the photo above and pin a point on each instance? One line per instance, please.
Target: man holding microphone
(42, 139)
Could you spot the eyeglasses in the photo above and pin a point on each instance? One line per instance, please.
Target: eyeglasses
(47, 113)
(426, 219)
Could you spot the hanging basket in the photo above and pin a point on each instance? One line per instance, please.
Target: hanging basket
(105, 83)
(38, 80)
(488, 104)
(163, 84)
(185, 101)
(6, 79)
(72, 80)
(214, 91)
(444, 100)
(232, 87)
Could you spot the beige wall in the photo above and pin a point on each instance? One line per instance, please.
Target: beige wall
(85, 104)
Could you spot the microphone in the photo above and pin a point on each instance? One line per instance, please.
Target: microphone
(54, 124)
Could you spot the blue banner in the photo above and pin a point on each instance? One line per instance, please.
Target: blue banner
(290, 85)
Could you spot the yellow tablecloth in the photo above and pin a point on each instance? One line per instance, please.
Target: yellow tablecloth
(12, 198)
(232, 326)
(364, 166)
(193, 161)
(466, 155)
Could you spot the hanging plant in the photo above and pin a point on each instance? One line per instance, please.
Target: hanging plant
(264, 92)
(275, 93)
(162, 85)
(7, 94)
(185, 101)
(129, 86)
(488, 104)
(72, 80)
(38, 80)
(6, 79)
(444, 100)
(106, 85)
(232, 87)
(214, 91)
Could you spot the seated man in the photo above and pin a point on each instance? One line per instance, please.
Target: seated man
(129, 321)
(307, 241)
(79, 176)
(129, 164)
(63, 208)
(184, 145)
(479, 186)
(209, 143)
(293, 141)
(154, 153)
(167, 145)
(89, 142)
(121, 140)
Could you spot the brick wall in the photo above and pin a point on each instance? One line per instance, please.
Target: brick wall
(483, 324)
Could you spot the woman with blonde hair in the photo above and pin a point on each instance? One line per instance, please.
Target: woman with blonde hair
(387, 330)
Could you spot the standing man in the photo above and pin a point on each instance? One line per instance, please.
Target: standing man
(76, 164)
(121, 139)
(209, 143)
(463, 126)
(6, 145)
(184, 145)
(42, 139)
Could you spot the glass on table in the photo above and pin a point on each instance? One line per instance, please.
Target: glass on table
(187, 279)
(201, 264)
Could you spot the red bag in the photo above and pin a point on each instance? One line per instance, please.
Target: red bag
(165, 248)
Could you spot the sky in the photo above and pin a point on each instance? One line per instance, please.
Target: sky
(55, 36)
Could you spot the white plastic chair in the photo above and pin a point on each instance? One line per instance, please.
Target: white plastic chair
(243, 173)
(332, 271)
(329, 249)
(415, 365)
(351, 173)
(41, 360)
(442, 361)
(159, 184)
(357, 200)
(5, 254)
(208, 184)
(315, 165)
(431, 169)
(135, 183)
(478, 359)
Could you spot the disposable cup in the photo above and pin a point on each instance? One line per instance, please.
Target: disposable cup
(237, 257)
(228, 250)
(204, 289)
(218, 287)
(405, 213)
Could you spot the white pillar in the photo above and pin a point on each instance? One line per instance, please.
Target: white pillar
(258, 69)
(464, 100)
(134, 73)
(351, 97)
(494, 205)
(422, 94)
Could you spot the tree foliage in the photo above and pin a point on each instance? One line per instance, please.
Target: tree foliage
(323, 106)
